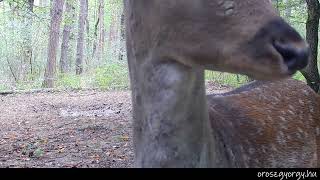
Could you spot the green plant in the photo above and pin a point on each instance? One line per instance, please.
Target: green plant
(299, 76)
(226, 78)
(69, 81)
(112, 76)
(3, 87)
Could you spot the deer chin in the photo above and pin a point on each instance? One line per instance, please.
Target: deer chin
(257, 70)
(269, 75)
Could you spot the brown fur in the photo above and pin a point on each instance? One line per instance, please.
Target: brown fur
(274, 124)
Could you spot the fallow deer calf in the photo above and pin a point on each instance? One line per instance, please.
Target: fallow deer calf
(268, 124)
(170, 43)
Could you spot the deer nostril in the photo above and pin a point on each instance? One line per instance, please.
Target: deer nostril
(294, 58)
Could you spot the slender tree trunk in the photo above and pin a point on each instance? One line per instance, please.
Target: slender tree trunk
(94, 46)
(95, 31)
(69, 21)
(122, 51)
(99, 34)
(26, 64)
(30, 7)
(56, 17)
(102, 31)
(88, 36)
(80, 43)
(311, 72)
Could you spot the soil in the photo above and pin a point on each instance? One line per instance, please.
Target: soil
(79, 129)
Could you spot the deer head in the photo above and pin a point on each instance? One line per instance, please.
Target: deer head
(240, 36)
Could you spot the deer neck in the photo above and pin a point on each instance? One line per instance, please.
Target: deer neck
(171, 124)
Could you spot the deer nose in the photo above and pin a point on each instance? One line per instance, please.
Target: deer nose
(295, 58)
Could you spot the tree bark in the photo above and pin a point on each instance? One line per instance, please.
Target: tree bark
(88, 36)
(94, 46)
(122, 51)
(98, 45)
(102, 31)
(70, 16)
(56, 17)
(26, 64)
(311, 72)
(80, 43)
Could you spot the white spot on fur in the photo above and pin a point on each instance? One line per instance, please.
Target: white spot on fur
(227, 7)
(283, 126)
(281, 138)
(289, 137)
(264, 149)
(306, 92)
(311, 109)
(300, 130)
(291, 112)
(292, 160)
(301, 102)
(259, 131)
(283, 119)
(291, 107)
(229, 12)
(276, 99)
(299, 135)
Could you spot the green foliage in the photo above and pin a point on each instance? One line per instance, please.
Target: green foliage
(234, 80)
(226, 78)
(3, 87)
(112, 76)
(24, 85)
(69, 81)
(299, 76)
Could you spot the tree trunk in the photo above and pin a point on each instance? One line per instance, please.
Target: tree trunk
(94, 46)
(80, 43)
(88, 36)
(101, 30)
(98, 44)
(122, 51)
(56, 17)
(311, 72)
(26, 64)
(70, 15)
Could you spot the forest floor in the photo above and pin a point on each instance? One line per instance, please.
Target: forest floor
(86, 128)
